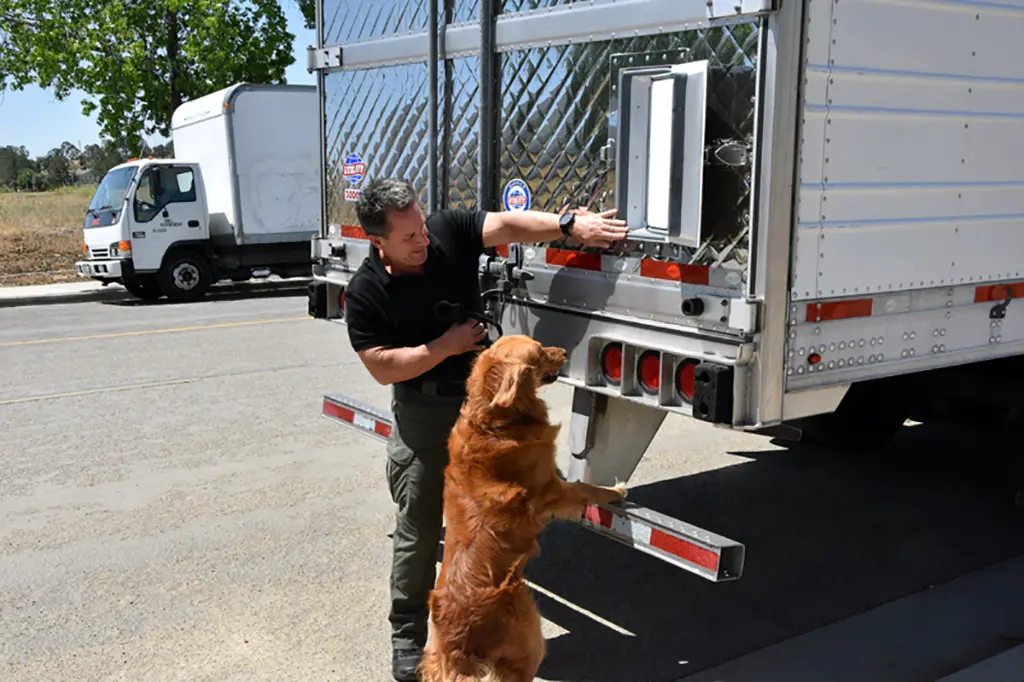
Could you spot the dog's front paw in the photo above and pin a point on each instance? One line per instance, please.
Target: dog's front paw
(612, 494)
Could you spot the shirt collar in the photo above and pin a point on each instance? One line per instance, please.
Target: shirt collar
(381, 272)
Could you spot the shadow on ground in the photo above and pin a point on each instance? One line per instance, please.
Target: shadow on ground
(228, 292)
(827, 536)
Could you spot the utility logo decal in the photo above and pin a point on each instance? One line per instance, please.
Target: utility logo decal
(354, 169)
(516, 196)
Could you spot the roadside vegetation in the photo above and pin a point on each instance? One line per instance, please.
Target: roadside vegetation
(40, 233)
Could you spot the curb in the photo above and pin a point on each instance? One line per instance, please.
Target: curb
(115, 292)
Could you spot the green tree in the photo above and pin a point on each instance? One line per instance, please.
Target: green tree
(28, 180)
(14, 160)
(308, 9)
(137, 61)
(100, 158)
(56, 170)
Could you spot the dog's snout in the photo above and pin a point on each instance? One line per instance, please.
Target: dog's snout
(555, 356)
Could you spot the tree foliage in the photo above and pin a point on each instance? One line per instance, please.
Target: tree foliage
(67, 165)
(137, 61)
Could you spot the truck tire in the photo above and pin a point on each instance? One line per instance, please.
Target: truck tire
(869, 416)
(147, 291)
(186, 275)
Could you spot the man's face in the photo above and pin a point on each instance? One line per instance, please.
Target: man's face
(405, 245)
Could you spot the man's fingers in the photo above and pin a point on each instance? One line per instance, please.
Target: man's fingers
(609, 213)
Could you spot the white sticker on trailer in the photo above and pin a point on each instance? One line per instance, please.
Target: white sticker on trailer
(631, 529)
(364, 422)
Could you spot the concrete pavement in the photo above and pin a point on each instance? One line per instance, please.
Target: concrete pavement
(92, 291)
(173, 507)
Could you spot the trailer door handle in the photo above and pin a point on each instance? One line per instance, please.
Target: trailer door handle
(193, 223)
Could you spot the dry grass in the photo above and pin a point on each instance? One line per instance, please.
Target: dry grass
(41, 232)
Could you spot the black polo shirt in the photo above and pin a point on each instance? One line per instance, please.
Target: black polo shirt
(385, 310)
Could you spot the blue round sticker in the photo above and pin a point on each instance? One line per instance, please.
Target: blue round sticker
(353, 169)
(516, 196)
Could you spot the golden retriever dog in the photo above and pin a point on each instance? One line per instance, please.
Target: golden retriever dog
(502, 486)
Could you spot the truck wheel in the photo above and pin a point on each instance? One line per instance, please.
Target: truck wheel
(147, 291)
(186, 275)
(869, 416)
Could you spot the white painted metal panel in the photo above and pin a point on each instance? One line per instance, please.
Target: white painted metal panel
(202, 137)
(911, 146)
(275, 139)
(880, 345)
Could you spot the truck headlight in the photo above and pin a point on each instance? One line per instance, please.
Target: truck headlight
(121, 249)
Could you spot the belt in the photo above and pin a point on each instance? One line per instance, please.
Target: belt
(441, 389)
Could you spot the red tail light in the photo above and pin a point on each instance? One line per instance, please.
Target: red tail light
(341, 300)
(684, 379)
(611, 363)
(649, 371)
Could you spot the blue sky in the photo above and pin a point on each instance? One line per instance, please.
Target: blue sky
(35, 119)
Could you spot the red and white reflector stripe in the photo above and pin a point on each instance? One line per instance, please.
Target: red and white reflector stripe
(698, 551)
(706, 554)
(596, 262)
(840, 310)
(995, 293)
(360, 417)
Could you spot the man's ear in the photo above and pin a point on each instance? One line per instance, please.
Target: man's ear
(376, 241)
(512, 381)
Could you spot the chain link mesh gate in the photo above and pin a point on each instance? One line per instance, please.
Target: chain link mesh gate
(548, 111)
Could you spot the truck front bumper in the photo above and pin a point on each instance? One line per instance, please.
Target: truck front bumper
(110, 269)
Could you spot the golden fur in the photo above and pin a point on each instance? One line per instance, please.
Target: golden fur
(502, 487)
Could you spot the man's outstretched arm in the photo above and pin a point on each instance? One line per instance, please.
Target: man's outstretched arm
(591, 229)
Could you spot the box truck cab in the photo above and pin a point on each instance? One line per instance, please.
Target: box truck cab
(239, 200)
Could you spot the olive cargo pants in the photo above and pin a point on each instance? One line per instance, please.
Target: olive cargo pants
(417, 455)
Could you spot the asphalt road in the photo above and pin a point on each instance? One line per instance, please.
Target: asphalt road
(174, 507)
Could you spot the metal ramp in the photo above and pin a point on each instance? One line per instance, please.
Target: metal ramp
(701, 552)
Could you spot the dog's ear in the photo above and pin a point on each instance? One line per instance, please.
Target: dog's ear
(512, 380)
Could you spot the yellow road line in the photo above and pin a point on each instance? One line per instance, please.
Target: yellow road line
(144, 332)
(93, 391)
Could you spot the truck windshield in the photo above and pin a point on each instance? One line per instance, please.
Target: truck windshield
(109, 195)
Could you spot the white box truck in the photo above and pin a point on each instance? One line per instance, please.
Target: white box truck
(240, 198)
(825, 197)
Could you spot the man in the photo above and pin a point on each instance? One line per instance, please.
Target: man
(389, 310)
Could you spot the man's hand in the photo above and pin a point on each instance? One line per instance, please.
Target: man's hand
(598, 229)
(461, 338)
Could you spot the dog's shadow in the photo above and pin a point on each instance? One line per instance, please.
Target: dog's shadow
(816, 526)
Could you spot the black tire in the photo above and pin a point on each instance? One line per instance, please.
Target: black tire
(147, 291)
(869, 416)
(186, 275)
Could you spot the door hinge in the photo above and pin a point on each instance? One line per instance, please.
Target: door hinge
(319, 59)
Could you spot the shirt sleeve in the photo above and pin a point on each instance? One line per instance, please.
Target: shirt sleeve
(368, 323)
(467, 230)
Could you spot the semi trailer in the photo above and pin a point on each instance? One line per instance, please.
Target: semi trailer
(825, 204)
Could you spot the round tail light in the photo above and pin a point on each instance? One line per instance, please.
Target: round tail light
(611, 363)
(649, 371)
(685, 378)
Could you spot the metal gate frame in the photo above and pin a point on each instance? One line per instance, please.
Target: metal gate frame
(779, 93)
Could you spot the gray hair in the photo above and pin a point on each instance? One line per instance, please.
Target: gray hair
(379, 196)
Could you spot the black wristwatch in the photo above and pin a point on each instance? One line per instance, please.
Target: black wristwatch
(566, 221)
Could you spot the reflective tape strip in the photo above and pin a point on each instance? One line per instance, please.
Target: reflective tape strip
(839, 310)
(361, 420)
(994, 293)
(635, 531)
(596, 262)
(698, 551)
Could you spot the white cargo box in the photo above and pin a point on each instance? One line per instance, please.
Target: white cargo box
(257, 146)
